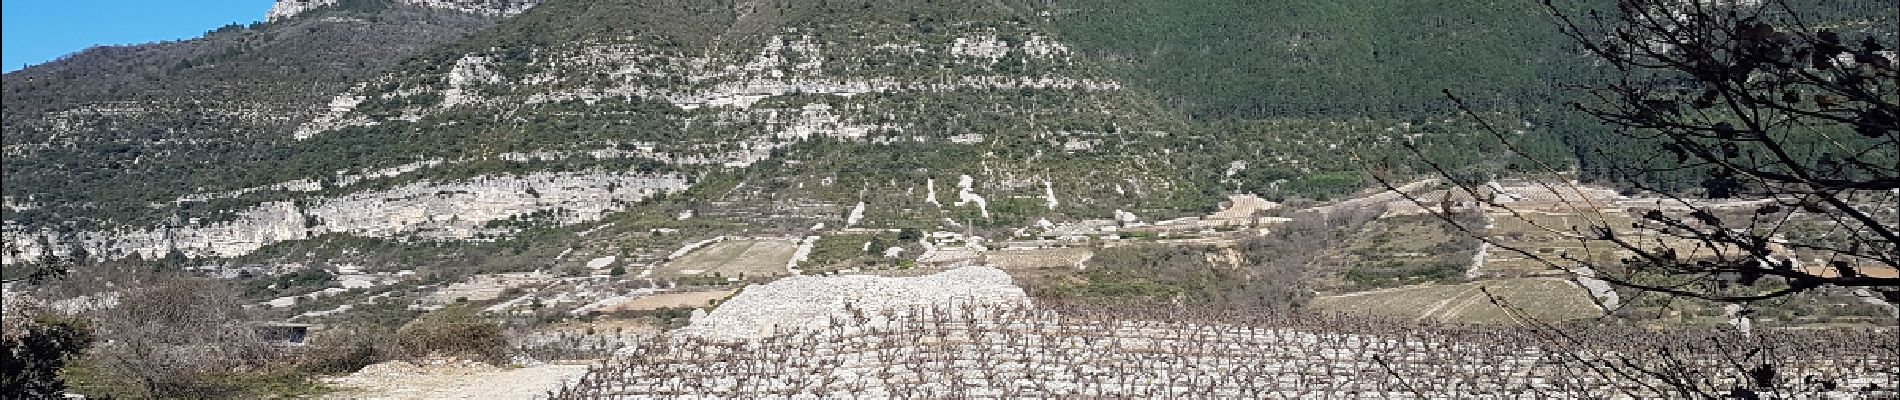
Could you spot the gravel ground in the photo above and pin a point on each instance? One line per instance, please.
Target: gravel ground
(453, 379)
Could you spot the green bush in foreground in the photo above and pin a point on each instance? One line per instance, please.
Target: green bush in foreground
(35, 352)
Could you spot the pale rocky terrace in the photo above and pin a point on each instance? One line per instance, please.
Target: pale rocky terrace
(458, 210)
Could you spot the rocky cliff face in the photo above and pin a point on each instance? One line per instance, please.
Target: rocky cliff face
(474, 209)
(763, 80)
(842, 101)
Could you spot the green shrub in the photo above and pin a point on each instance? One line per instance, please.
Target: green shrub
(1390, 273)
(35, 352)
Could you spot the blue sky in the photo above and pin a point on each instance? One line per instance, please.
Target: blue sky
(37, 31)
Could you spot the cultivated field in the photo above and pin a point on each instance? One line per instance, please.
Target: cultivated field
(751, 257)
(1547, 299)
(670, 300)
(1012, 260)
(1545, 235)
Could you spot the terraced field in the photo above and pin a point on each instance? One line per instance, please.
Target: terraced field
(1548, 299)
(1548, 236)
(1012, 260)
(670, 300)
(1393, 252)
(732, 258)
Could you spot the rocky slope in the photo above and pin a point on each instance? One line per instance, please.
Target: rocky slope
(111, 135)
(794, 95)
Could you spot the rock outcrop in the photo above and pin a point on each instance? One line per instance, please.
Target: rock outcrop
(456, 210)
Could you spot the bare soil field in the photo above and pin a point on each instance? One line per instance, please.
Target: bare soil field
(731, 258)
(1011, 260)
(1548, 299)
(673, 299)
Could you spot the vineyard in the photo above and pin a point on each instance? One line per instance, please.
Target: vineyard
(1156, 352)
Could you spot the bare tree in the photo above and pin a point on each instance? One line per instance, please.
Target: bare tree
(1793, 124)
(171, 335)
(1794, 127)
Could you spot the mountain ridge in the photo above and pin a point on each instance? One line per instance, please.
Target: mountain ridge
(727, 97)
(284, 9)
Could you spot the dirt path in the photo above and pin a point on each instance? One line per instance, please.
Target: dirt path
(448, 379)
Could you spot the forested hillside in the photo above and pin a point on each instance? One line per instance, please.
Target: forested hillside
(1339, 60)
(1312, 58)
(1224, 59)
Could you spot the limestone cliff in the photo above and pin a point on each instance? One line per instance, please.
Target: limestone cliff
(459, 210)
